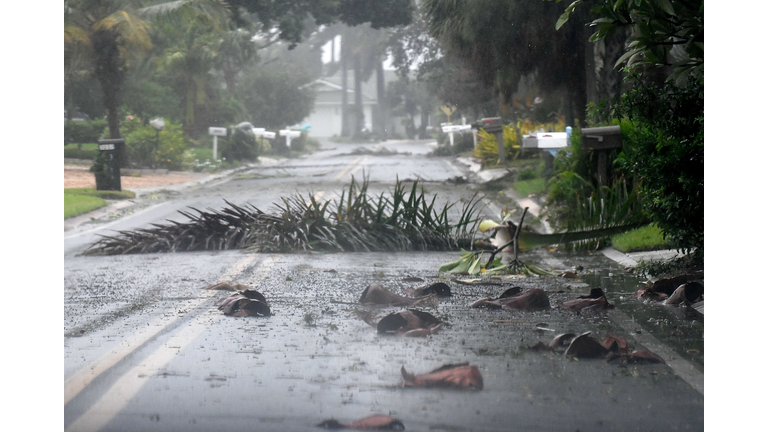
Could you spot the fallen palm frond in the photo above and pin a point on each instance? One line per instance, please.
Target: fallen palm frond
(403, 220)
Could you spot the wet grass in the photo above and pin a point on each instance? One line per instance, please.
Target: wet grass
(76, 205)
(405, 219)
(531, 187)
(78, 201)
(646, 238)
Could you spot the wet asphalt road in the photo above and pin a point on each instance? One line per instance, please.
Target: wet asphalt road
(146, 349)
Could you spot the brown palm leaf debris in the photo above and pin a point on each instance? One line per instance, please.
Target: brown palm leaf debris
(535, 299)
(247, 302)
(376, 294)
(457, 376)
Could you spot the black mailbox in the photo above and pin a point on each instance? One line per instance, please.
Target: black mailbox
(491, 124)
(601, 138)
(108, 175)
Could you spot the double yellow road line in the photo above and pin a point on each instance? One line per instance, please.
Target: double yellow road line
(129, 384)
(350, 169)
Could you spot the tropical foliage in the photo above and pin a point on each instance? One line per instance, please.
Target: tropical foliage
(405, 219)
(487, 149)
(662, 32)
(665, 150)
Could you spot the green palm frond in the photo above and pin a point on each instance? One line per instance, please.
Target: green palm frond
(132, 29)
(358, 221)
(211, 12)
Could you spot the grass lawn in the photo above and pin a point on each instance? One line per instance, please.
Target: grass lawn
(79, 201)
(201, 154)
(75, 205)
(642, 239)
(535, 186)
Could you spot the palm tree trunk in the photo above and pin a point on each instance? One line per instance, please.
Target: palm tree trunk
(381, 98)
(359, 112)
(344, 100)
(109, 72)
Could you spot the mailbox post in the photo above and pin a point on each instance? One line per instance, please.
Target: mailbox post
(494, 126)
(109, 177)
(158, 125)
(601, 140)
(216, 132)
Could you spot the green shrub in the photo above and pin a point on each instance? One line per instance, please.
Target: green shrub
(534, 186)
(527, 173)
(664, 147)
(89, 151)
(240, 146)
(142, 142)
(82, 132)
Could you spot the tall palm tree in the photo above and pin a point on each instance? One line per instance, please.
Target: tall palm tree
(115, 31)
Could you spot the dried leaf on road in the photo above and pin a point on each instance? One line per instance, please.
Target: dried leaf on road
(459, 376)
(584, 346)
(615, 344)
(534, 299)
(663, 288)
(248, 302)
(588, 304)
(376, 294)
(441, 289)
(375, 421)
(687, 293)
(409, 322)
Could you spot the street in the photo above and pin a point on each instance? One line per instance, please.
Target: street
(145, 348)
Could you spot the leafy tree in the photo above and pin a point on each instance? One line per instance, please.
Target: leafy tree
(191, 60)
(111, 32)
(662, 32)
(291, 16)
(236, 51)
(662, 123)
(275, 95)
(505, 40)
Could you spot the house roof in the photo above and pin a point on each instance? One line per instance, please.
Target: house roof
(329, 88)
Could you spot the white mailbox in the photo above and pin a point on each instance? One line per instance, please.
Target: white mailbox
(258, 131)
(268, 135)
(457, 128)
(546, 140)
(217, 131)
(288, 134)
(450, 129)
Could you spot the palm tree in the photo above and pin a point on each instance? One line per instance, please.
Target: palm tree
(112, 32)
(191, 60)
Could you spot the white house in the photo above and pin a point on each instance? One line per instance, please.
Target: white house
(326, 115)
(325, 119)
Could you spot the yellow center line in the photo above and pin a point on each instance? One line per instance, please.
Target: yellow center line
(83, 377)
(347, 169)
(118, 396)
